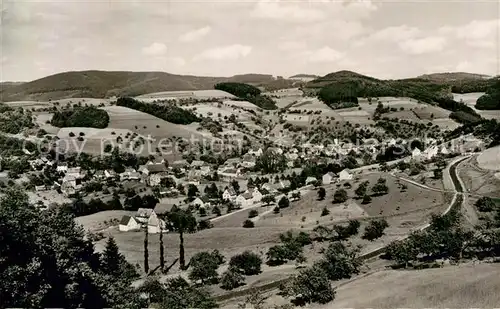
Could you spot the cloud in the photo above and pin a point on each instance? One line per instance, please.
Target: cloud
(325, 54)
(477, 33)
(154, 49)
(395, 34)
(195, 34)
(312, 11)
(229, 52)
(291, 45)
(423, 45)
(287, 12)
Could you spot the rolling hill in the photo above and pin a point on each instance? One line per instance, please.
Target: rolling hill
(102, 84)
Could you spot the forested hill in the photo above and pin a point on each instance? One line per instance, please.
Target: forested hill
(102, 84)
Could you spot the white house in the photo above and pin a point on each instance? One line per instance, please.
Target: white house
(431, 152)
(256, 195)
(109, 174)
(129, 223)
(345, 174)
(143, 214)
(256, 153)
(310, 180)
(198, 202)
(244, 200)
(328, 178)
(62, 167)
(416, 153)
(229, 194)
(155, 224)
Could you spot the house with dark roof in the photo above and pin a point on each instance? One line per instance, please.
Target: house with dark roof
(128, 223)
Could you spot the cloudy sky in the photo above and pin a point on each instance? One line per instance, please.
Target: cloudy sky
(386, 39)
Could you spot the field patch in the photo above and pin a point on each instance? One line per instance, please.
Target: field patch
(490, 159)
(196, 94)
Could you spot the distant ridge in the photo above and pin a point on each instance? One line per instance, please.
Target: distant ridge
(453, 76)
(304, 76)
(103, 84)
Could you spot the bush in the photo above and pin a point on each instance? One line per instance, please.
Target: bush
(276, 210)
(325, 212)
(203, 267)
(253, 213)
(485, 204)
(231, 279)
(247, 263)
(340, 196)
(248, 224)
(311, 285)
(71, 134)
(284, 202)
(375, 229)
(366, 199)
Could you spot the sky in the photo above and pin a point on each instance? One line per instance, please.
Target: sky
(384, 39)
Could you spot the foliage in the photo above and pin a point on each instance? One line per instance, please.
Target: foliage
(491, 99)
(361, 189)
(311, 285)
(340, 196)
(13, 121)
(47, 262)
(344, 232)
(340, 261)
(231, 280)
(380, 188)
(375, 229)
(269, 162)
(203, 267)
(247, 263)
(338, 96)
(284, 202)
(247, 92)
(268, 199)
(366, 199)
(485, 204)
(182, 221)
(465, 118)
(321, 193)
(177, 293)
(253, 213)
(88, 116)
(325, 212)
(248, 224)
(168, 112)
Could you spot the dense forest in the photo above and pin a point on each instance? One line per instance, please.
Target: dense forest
(14, 120)
(490, 100)
(247, 92)
(88, 116)
(168, 112)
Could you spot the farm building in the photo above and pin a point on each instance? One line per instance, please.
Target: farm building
(310, 180)
(229, 194)
(244, 200)
(129, 223)
(345, 174)
(328, 178)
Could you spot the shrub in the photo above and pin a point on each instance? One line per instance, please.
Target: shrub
(366, 199)
(375, 229)
(203, 267)
(71, 134)
(485, 204)
(284, 202)
(325, 212)
(311, 285)
(248, 224)
(276, 210)
(248, 263)
(340, 196)
(231, 279)
(253, 213)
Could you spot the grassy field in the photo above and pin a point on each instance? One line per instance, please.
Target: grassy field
(476, 287)
(471, 98)
(490, 159)
(477, 180)
(101, 220)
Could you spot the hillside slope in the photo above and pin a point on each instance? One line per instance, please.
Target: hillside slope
(101, 84)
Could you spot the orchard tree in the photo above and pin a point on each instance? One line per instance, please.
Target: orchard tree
(311, 285)
(321, 193)
(248, 263)
(340, 196)
(296, 195)
(231, 279)
(375, 229)
(284, 202)
(268, 199)
(361, 189)
(182, 221)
